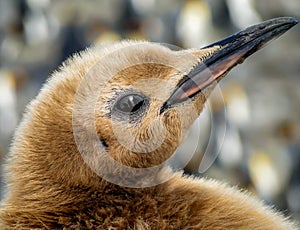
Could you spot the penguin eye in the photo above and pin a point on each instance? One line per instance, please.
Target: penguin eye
(130, 103)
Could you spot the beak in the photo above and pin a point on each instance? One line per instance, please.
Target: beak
(232, 51)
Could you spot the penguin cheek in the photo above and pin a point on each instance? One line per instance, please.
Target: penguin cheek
(198, 104)
(144, 145)
(175, 124)
(184, 115)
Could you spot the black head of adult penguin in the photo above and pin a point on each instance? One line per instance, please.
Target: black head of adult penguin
(108, 120)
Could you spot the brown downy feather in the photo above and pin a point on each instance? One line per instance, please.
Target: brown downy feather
(52, 187)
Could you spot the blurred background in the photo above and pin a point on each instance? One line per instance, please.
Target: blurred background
(260, 150)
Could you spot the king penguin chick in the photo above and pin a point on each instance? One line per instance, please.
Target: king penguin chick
(93, 149)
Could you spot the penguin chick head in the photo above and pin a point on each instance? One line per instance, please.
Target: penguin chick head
(130, 118)
(154, 94)
(127, 104)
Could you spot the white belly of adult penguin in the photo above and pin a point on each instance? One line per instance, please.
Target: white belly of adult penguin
(92, 148)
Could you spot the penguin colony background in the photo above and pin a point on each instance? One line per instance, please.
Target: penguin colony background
(93, 149)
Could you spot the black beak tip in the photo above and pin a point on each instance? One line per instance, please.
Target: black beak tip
(291, 20)
(284, 22)
(280, 20)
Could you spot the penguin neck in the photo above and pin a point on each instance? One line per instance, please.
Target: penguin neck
(38, 187)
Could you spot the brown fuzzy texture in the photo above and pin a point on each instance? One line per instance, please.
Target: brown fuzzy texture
(51, 187)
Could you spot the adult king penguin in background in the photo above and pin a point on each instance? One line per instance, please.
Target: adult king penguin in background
(92, 148)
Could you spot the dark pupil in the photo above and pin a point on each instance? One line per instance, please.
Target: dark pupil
(130, 103)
